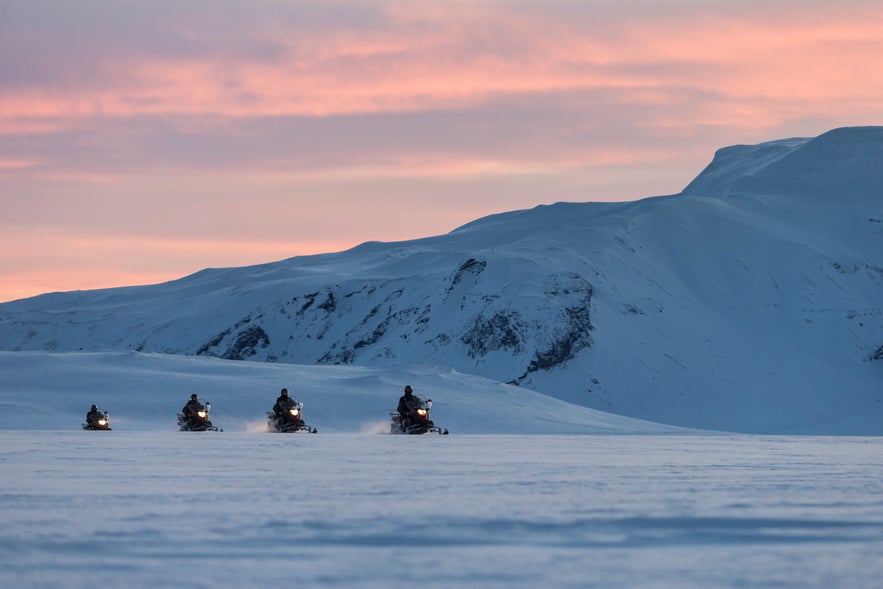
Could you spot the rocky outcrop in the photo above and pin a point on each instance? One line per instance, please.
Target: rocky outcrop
(521, 328)
(247, 344)
(503, 330)
(241, 341)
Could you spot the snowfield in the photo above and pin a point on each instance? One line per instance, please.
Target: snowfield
(145, 392)
(586, 499)
(167, 509)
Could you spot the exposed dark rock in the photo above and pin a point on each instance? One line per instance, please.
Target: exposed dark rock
(424, 318)
(213, 342)
(247, 343)
(311, 298)
(562, 349)
(470, 266)
(573, 336)
(502, 331)
(241, 342)
(375, 335)
(344, 356)
(329, 304)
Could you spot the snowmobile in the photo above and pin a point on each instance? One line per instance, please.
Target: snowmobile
(198, 422)
(102, 423)
(415, 422)
(290, 421)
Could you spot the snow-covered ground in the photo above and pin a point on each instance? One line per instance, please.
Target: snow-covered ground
(587, 499)
(142, 392)
(750, 302)
(169, 509)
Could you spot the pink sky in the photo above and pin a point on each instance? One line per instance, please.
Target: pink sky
(142, 141)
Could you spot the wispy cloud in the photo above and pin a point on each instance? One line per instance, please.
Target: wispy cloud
(647, 73)
(105, 106)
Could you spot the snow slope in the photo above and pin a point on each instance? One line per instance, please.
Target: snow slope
(751, 302)
(144, 392)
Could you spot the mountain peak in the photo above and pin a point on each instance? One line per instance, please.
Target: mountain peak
(842, 163)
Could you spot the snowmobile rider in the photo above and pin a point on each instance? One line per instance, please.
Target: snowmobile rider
(93, 416)
(192, 406)
(406, 402)
(283, 403)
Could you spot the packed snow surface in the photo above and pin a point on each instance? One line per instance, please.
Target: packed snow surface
(526, 491)
(171, 509)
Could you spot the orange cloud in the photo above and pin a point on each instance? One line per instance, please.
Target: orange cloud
(17, 164)
(450, 56)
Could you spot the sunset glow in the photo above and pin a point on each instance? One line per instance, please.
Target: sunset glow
(151, 141)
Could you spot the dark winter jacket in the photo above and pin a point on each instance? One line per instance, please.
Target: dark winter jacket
(283, 404)
(191, 408)
(93, 416)
(406, 403)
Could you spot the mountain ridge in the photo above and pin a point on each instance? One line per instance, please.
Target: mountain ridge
(748, 302)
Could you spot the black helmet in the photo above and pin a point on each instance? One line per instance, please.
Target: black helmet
(94, 408)
(408, 389)
(284, 392)
(194, 397)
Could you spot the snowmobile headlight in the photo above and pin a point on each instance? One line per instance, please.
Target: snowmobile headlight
(201, 413)
(295, 411)
(102, 422)
(421, 412)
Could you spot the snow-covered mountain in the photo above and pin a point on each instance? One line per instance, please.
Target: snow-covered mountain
(752, 301)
